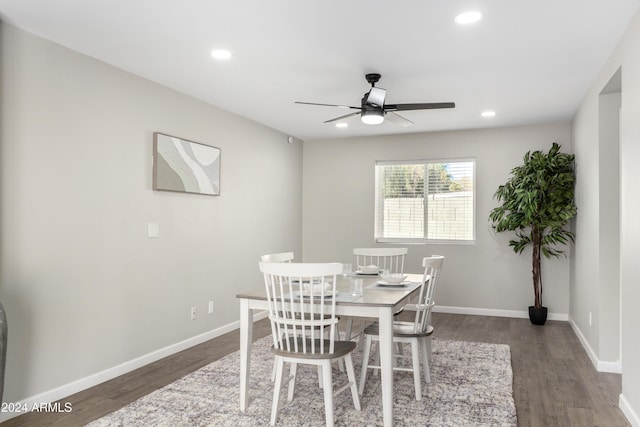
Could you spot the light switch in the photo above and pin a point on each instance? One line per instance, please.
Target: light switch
(153, 230)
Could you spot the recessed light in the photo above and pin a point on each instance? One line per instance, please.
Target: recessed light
(342, 125)
(488, 114)
(468, 17)
(221, 54)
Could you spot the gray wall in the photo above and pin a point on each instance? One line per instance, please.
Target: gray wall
(487, 277)
(86, 291)
(592, 289)
(84, 288)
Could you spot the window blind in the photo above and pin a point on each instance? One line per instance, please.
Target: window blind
(420, 201)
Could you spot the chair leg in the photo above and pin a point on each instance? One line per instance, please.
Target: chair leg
(340, 362)
(275, 407)
(275, 368)
(292, 381)
(415, 358)
(360, 339)
(349, 332)
(365, 362)
(426, 344)
(349, 329)
(352, 380)
(376, 359)
(328, 392)
(320, 385)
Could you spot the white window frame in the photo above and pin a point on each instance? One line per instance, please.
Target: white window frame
(378, 208)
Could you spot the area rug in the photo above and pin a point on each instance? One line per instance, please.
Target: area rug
(471, 385)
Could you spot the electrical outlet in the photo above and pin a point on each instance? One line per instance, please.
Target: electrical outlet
(153, 230)
(210, 307)
(193, 313)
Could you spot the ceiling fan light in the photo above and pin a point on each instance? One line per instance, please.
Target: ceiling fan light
(374, 117)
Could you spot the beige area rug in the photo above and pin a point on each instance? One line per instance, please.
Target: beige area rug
(471, 385)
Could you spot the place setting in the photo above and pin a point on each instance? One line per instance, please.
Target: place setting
(370, 270)
(318, 290)
(315, 290)
(393, 281)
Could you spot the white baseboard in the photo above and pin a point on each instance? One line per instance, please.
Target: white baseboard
(627, 410)
(492, 312)
(111, 373)
(614, 367)
(610, 367)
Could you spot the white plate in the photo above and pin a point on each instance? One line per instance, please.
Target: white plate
(315, 281)
(390, 284)
(394, 278)
(327, 294)
(366, 274)
(368, 269)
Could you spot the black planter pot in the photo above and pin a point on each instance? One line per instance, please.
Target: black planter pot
(538, 316)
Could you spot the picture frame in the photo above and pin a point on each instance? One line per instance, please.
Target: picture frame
(185, 166)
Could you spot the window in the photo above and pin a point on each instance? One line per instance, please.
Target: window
(425, 201)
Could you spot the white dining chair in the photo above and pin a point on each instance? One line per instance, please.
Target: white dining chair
(288, 257)
(302, 305)
(417, 333)
(391, 259)
(278, 257)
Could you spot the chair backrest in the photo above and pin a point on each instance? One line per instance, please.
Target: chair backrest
(279, 257)
(302, 303)
(385, 258)
(432, 266)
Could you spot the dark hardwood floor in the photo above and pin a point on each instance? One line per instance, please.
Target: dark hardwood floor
(554, 382)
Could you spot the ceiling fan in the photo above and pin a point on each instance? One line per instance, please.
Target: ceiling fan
(373, 110)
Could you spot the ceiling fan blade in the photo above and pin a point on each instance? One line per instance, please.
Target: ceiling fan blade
(342, 117)
(327, 105)
(423, 106)
(399, 120)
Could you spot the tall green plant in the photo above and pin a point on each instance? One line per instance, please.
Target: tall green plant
(537, 203)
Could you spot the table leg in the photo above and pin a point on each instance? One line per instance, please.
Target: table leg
(246, 339)
(386, 363)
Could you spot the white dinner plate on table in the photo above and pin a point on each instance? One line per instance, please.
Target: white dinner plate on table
(327, 294)
(392, 285)
(315, 281)
(366, 274)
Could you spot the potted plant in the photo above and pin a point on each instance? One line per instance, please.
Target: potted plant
(536, 204)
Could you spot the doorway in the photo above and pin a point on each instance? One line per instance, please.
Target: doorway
(610, 103)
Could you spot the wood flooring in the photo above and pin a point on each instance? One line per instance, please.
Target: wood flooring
(554, 384)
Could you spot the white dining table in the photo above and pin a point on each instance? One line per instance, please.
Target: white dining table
(377, 302)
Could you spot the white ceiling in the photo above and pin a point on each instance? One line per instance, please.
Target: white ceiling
(530, 61)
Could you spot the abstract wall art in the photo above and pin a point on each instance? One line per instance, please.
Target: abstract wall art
(185, 166)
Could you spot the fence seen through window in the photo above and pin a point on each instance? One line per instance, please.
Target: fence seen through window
(425, 201)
